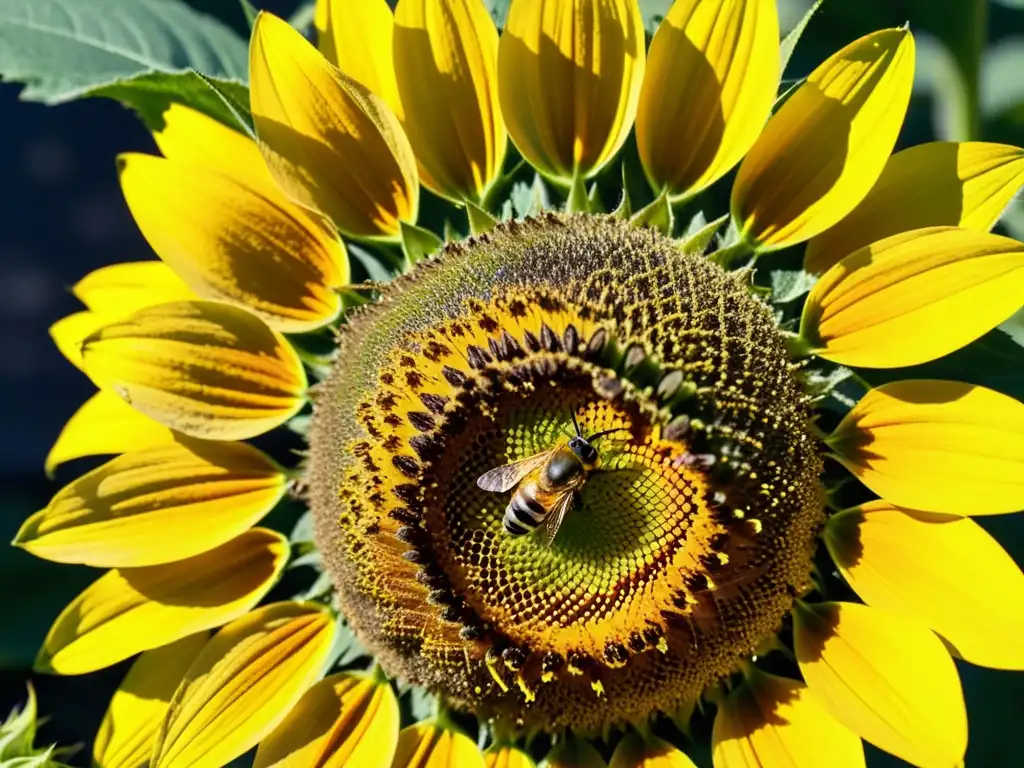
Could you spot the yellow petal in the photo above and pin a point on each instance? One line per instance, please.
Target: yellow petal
(191, 137)
(356, 36)
(120, 289)
(569, 76)
(205, 369)
(573, 752)
(821, 153)
(427, 745)
(886, 678)
(105, 424)
(130, 726)
(947, 183)
(938, 446)
(943, 570)
(135, 609)
(345, 719)
(69, 333)
(507, 756)
(636, 752)
(243, 684)
(712, 76)
(446, 58)
(331, 144)
(156, 505)
(889, 305)
(232, 243)
(776, 722)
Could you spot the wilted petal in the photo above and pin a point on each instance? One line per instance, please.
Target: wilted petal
(712, 76)
(231, 242)
(428, 745)
(356, 36)
(135, 609)
(569, 76)
(772, 721)
(634, 751)
(130, 726)
(105, 424)
(345, 719)
(885, 677)
(120, 289)
(900, 561)
(446, 57)
(506, 756)
(244, 682)
(947, 183)
(889, 305)
(331, 144)
(821, 153)
(156, 505)
(203, 368)
(938, 446)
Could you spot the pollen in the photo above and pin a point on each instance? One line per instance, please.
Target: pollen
(681, 552)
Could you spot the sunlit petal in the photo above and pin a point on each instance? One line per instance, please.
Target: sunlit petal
(120, 289)
(569, 76)
(938, 446)
(944, 570)
(772, 721)
(348, 719)
(573, 752)
(966, 184)
(356, 36)
(105, 424)
(243, 684)
(506, 756)
(712, 76)
(130, 726)
(203, 368)
(237, 244)
(135, 609)
(886, 678)
(889, 304)
(428, 745)
(331, 144)
(446, 57)
(69, 333)
(156, 505)
(821, 153)
(635, 751)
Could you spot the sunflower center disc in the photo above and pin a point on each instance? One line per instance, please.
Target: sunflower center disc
(679, 555)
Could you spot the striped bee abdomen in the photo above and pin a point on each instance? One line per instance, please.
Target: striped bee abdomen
(523, 513)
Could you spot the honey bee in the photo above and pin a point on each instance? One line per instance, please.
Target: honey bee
(546, 484)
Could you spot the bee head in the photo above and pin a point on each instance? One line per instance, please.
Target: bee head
(583, 449)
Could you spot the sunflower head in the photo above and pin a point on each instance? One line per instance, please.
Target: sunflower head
(404, 254)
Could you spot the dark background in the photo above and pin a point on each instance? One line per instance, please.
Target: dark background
(63, 216)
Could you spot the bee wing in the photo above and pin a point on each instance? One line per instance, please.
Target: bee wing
(506, 477)
(554, 519)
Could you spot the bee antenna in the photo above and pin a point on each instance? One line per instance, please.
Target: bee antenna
(606, 432)
(575, 423)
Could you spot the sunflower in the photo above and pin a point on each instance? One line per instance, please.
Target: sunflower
(763, 553)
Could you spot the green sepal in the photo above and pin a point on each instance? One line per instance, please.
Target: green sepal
(232, 101)
(625, 207)
(501, 188)
(577, 201)
(658, 215)
(480, 221)
(699, 240)
(594, 202)
(789, 41)
(419, 243)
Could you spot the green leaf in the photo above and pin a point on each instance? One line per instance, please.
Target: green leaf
(653, 11)
(789, 41)
(302, 19)
(699, 233)
(480, 221)
(658, 215)
(419, 243)
(140, 53)
(790, 284)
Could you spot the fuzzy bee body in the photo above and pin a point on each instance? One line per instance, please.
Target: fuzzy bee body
(545, 485)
